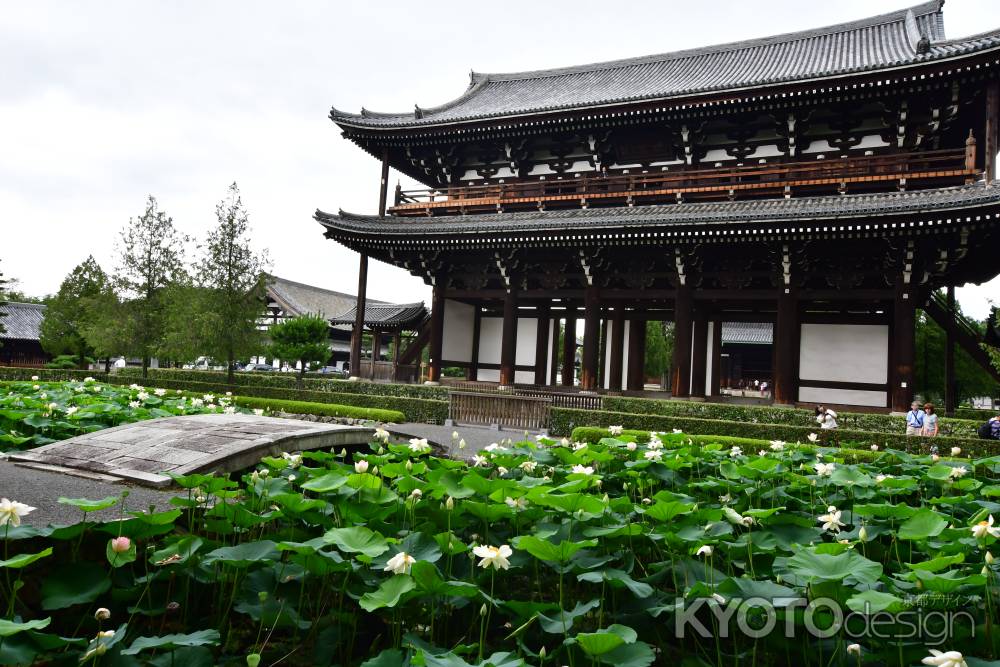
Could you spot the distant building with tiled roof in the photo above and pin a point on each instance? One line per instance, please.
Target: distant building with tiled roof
(19, 339)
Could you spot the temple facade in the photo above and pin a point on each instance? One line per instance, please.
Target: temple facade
(826, 183)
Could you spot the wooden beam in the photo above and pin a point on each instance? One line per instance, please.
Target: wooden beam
(591, 339)
(786, 347)
(508, 339)
(901, 380)
(949, 360)
(991, 130)
(569, 348)
(541, 344)
(384, 185)
(636, 354)
(617, 349)
(714, 386)
(680, 382)
(359, 317)
(437, 334)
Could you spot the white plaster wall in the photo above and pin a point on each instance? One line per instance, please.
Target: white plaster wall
(490, 334)
(488, 375)
(877, 399)
(709, 358)
(459, 324)
(844, 353)
(606, 381)
(625, 356)
(527, 331)
(553, 331)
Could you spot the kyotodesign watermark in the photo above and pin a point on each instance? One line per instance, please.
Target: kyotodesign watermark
(933, 619)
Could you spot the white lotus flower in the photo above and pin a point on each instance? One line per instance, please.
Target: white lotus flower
(705, 550)
(955, 451)
(208, 398)
(881, 478)
(736, 451)
(777, 445)
(34, 378)
(577, 446)
(480, 461)
(381, 434)
(957, 472)
(528, 466)
(655, 443)
(400, 563)
(160, 392)
(653, 455)
(725, 499)
(361, 467)
(935, 458)
(494, 447)
(984, 528)
(564, 442)
(945, 659)
(230, 410)
(493, 556)
(88, 379)
(294, 460)
(631, 446)
(134, 404)
(502, 471)
(516, 504)
(72, 409)
(747, 521)
(11, 512)
(419, 445)
(197, 402)
(825, 469)
(616, 430)
(583, 470)
(142, 396)
(761, 452)
(813, 437)
(259, 412)
(831, 520)
(415, 494)
(874, 448)
(854, 649)
(677, 431)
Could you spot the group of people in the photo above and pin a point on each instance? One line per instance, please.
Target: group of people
(922, 422)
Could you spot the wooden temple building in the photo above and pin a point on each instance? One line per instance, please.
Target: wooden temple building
(827, 182)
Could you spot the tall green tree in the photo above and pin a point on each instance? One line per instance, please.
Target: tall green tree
(970, 379)
(230, 273)
(659, 349)
(151, 256)
(303, 339)
(73, 310)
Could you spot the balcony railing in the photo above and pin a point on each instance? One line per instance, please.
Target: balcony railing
(872, 172)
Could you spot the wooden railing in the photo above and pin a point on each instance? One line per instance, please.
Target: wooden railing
(383, 371)
(559, 399)
(943, 167)
(501, 409)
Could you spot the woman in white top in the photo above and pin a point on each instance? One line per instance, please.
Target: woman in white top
(825, 417)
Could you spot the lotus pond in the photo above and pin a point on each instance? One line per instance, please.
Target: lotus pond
(37, 413)
(533, 553)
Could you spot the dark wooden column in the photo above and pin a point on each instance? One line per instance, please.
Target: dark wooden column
(376, 348)
(715, 381)
(397, 338)
(602, 357)
(437, 332)
(903, 344)
(617, 350)
(680, 383)
(472, 373)
(508, 339)
(949, 360)
(569, 347)
(636, 354)
(786, 336)
(542, 345)
(554, 361)
(992, 128)
(699, 355)
(591, 339)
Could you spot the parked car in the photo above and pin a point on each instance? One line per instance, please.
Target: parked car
(259, 367)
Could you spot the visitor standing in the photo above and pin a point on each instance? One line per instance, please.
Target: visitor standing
(825, 417)
(930, 426)
(991, 429)
(915, 420)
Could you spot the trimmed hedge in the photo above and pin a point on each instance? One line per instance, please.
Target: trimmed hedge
(977, 415)
(564, 420)
(287, 381)
(320, 409)
(855, 421)
(21, 373)
(413, 409)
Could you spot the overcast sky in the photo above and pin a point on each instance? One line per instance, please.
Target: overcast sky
(104, 103)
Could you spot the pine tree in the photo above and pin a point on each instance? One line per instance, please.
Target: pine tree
(303, 339)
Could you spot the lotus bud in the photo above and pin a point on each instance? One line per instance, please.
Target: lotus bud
(461, 443)
(262, 596)
(375, 470)
(121, 544)
(106, 634)
(482, 610)
(409, 465)
(955, 451)
(361, 467)
(606, 499)
(449, 504)
(989, 558)
(985, 571)
(343, 452)
(454, 435)
(854, 649)
(253, 660)
(102, 614)
(542, 653)
(863, 534)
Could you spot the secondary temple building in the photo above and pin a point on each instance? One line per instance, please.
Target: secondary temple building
(827, 182)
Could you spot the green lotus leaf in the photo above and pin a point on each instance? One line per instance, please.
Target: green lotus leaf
(606, 640)
(244, 555)
(357, 539)
(10, 628)
(23, 560)
(548, 551)
(923, 524)
(80, 584)
(85, 505)
(170, 642)
(388, 593)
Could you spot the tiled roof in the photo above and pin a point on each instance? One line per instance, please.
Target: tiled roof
(897, 39)
(22, 321)
(299, 299)
(386, 315)
(728, 214)
(747, 333)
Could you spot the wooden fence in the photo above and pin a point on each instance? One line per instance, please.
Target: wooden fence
(502, 409)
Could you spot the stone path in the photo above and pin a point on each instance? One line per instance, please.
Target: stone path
(143, 451)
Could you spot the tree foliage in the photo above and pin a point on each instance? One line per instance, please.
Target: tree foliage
(151, 255)
(971, 380)
(73, 310)
(659, 348)
(302, 339)
(3, 292)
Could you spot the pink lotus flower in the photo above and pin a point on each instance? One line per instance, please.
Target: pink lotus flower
(121, 544)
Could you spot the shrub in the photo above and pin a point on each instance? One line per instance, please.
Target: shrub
(48, 374)
(857, 421)
(319, 409)
(564, 420)
(975, 414)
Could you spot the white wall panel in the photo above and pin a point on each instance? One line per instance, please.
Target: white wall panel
(844, 353)
(709, 358)
(527, 331)
(625, 356)
(490, 334)
(456, 338)
(877, 399)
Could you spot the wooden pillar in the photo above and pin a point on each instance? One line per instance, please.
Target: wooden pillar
(554, 357)
(591, 339)
(617, 349)
(680, 382)
(949, 360)
(569, 347)
(699, 355)
(542, 344)
(472, 373)
(376, 349)
(508, 339)
(357, 333)
(992, 127)
(786, 347)
(636, 354)
(903, 346)
(437, 333)
(384, 185)
(397, 339)
(715, 380)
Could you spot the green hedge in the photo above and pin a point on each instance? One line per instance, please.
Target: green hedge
(48, 374)
(320, 409)
(564, 420)
(975, 414)
(288, 381)
(760, 414)
(413, 409)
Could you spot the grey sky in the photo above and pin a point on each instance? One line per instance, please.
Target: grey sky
(104, 103)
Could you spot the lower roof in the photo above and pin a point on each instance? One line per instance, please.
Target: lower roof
(387, 315)
(21, 321)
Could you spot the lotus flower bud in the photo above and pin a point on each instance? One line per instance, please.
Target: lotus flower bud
(863, 534)
(253, 660)
(121, 544)
(449, 504)
(483, 610)
(989, 558)
(409, 465)
(542, 653)
(102, 614)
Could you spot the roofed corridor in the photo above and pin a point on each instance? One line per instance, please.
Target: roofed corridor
(855, 174)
